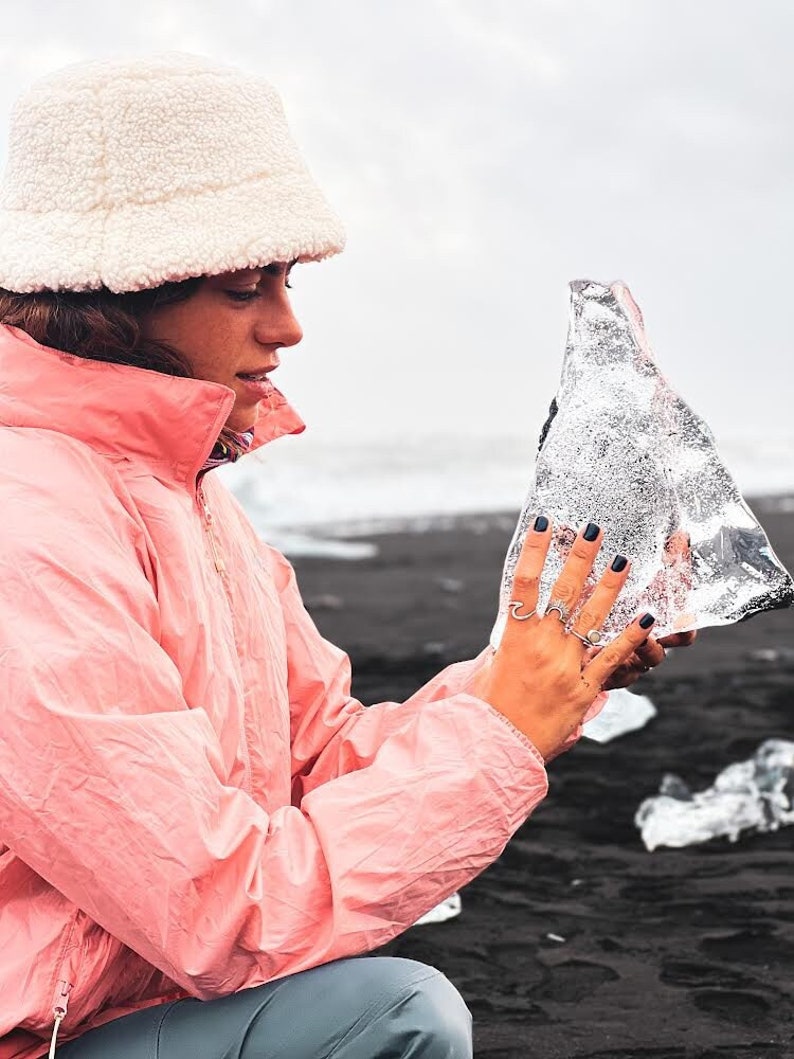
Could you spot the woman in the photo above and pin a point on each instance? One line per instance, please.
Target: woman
(199, 825)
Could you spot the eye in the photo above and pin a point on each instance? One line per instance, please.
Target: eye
(242, 295)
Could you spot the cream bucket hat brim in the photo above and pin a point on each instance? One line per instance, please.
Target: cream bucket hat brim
(126, 175)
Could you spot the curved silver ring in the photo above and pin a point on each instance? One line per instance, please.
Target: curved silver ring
(515, 606)
(563, 612)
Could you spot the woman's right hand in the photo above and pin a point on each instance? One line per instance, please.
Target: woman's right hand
(542, 677)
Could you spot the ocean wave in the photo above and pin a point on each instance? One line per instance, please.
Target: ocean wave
(311, 496)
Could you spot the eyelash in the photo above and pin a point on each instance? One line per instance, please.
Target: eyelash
(250, 295)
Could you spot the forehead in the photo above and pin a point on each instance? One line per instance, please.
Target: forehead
(242, 276)
(251, 275)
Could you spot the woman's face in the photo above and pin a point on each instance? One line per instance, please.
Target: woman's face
(230, 331)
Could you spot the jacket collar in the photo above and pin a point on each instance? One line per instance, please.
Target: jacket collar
(169, 424)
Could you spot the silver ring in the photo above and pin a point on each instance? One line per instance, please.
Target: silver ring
(582, 639)
(596, 637)
(562, 611)
(515, 606)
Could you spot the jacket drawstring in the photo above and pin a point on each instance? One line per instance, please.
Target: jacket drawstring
(59, 1008)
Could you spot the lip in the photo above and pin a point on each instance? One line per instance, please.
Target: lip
(264, 370)
(258, 389)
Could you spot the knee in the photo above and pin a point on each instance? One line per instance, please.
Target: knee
(435, 1021)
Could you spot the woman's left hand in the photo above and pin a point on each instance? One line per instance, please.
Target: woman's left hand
(645, 658)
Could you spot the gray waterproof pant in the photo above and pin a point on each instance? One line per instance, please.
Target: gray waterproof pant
(367, 1008)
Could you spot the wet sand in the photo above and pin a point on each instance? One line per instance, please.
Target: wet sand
(578, 942)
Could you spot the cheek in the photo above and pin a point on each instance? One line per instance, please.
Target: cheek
(208, 343)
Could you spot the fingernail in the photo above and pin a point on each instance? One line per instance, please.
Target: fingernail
(619, 563)
(646, 621)
(541, 524)
(591, 532)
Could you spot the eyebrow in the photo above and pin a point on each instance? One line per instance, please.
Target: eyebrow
(247, 278)
(252, 276)
(275, 267)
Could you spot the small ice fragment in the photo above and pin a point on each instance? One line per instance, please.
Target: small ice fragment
(556, 937)
(325, 601)
(450, 584)
(443, 911)
(772, 654)
(764, 654)
(623, 712)
(757, 795)
(434, 648)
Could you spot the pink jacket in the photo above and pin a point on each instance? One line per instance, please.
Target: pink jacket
(191, 803)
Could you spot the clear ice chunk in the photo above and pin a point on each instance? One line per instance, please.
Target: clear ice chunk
(753, 795)
(623, 712)
(622, 449)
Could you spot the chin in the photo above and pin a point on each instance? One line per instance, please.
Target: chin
(241, 419)
(240, 423)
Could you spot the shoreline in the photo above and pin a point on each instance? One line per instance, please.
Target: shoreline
(481, 520)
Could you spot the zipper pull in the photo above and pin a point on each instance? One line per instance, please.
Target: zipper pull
(60, 1005)
(60, 1001)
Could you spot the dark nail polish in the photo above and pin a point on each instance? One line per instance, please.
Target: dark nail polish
(646, 621)
(541, 524)
(591, 532)
(619, 563)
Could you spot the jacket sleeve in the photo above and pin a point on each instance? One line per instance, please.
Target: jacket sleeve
(328, 725)
(114, 791)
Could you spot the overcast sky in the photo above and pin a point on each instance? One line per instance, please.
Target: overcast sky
(483, 154)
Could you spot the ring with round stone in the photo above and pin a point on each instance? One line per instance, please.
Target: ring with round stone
(594, 638)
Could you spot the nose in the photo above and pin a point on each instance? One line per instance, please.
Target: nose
(278, 325)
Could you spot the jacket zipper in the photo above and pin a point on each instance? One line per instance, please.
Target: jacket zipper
(60, 1005)
(220, 566)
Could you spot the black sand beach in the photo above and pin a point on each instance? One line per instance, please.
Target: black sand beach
(676, 954)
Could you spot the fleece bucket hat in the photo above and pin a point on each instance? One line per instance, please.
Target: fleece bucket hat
(129, 174)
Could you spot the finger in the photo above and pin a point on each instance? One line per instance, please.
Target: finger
(602, 599)
(623, 677)
(650, 654)
(616, 654)
(568, 587)
(678, 545)
(679, 639)
(526, 578)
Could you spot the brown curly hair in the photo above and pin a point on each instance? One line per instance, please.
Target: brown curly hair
(99, 325)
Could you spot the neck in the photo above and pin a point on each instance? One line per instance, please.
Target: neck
(229, 447)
